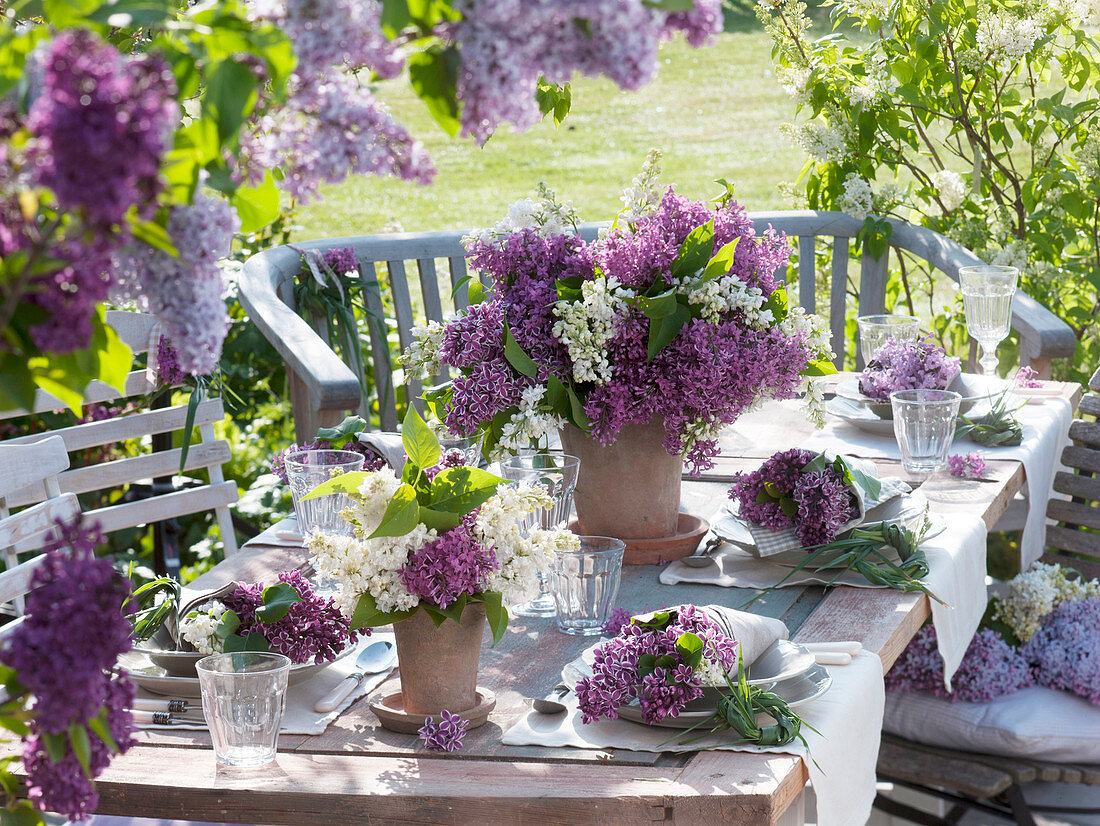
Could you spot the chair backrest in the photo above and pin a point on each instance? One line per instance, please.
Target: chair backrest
(21, 466)
(1075, 540)
(140, 332)
(321, 390)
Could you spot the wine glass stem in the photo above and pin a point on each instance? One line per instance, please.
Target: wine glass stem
(988, 361)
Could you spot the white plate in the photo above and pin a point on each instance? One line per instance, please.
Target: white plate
(797, 691)
(153, 678)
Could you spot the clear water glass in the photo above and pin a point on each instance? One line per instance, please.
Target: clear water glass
(468, 446)
(924, 425)
(556, 473)
(305, 470)
(585, 584)
(987, 298)
(875, 330)
(243, 696)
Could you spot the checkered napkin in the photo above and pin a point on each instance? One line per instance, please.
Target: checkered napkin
(771, 542)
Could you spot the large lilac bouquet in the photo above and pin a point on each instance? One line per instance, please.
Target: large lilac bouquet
(663, 661)
(990, 668)
(802, 490)
(674, 314)
(287, 618)
(63, 655)
(439, 538)
(907, 365)
(1065, 652)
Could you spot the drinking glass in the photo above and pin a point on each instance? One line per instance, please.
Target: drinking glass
(305, 470)
(924, 425)
(243, 694)
(874, 330)
(468, 446)
(585, 584)
(987, 297)
(557, 474)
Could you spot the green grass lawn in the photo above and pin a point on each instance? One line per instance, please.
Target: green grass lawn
(715, 113)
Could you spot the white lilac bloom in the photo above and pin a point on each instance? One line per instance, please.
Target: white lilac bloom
(422, 356)
(795, 81)
(528, 426)
(1031, 595)
(727, 294)
(820, 141)
(1088, 155)
(1003, 35)
(1087, 12)
(199, 626)
(858, 199)
(543, 214)
(813, 400)
(867, 8)
(644, 193)
(1012, 254)
(587, 326)
(950, 187)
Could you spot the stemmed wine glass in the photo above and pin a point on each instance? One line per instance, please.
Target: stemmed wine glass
(557, 474)
(987, 296)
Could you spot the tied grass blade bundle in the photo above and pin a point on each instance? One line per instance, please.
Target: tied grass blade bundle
(997, 428)
(860, 550)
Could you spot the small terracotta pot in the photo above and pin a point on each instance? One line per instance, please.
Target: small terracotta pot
(630, 489)
(439, 665)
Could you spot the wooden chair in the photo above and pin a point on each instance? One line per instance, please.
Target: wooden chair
(159, 503)
(991, 783)
(20, 466)
(323, 388)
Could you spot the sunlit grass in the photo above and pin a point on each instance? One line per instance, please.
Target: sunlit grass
(715, 113)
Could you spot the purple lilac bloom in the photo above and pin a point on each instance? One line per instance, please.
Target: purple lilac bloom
(449, 566)
(907, 365)
(186, 292)
(68, 295)
(991, 668)
(615, 679)
(1028, 378)
(313, 630)
(782, 471)
(101, 124)
(619, 618)
(1065, 652)
(825, 505)
(446, 735)
(341, 260)
(168, 365)
(970, 466)
(64, 653)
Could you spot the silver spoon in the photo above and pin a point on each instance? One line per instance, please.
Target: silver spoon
(701, 557)
(551, 703)
(376, 657)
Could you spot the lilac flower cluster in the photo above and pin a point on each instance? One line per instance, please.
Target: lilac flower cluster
(506, 47)
(823, 500)
(449, 566)
(65, 652)
(907, 365)
(991, 668)
(1028, 378)
(341, 260)
(186, 291)
(313, 630)
(619, 619)
(168, 365)
(970, 466)
(446, 735)
(101, 124)
(1065, 652)
(664, 692)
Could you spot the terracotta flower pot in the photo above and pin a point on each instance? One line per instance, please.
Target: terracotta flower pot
(439, 665)
(630, 489)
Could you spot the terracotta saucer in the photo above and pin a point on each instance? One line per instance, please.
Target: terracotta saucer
(662, 549)
(392, 715)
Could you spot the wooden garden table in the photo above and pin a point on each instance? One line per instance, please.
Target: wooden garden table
(357, 772)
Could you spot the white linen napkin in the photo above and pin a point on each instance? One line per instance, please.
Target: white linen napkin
(956, 563)
(283, 534)
(386, 445)
(298, 715)
(1045, 432)
(848, 719)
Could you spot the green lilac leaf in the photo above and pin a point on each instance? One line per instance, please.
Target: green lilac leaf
(401, 516)
(419, 441)
(277, 601)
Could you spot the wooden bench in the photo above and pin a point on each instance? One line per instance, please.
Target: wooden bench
(158, 502)
(323, 388)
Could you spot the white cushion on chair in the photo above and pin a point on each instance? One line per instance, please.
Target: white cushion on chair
(1038, 723)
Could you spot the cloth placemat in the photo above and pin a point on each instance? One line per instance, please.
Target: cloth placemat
(956, 563)
(848, 718)
(1045, 429)
(299, 716)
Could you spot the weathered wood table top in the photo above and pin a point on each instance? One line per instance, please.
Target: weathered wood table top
(357, 772)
